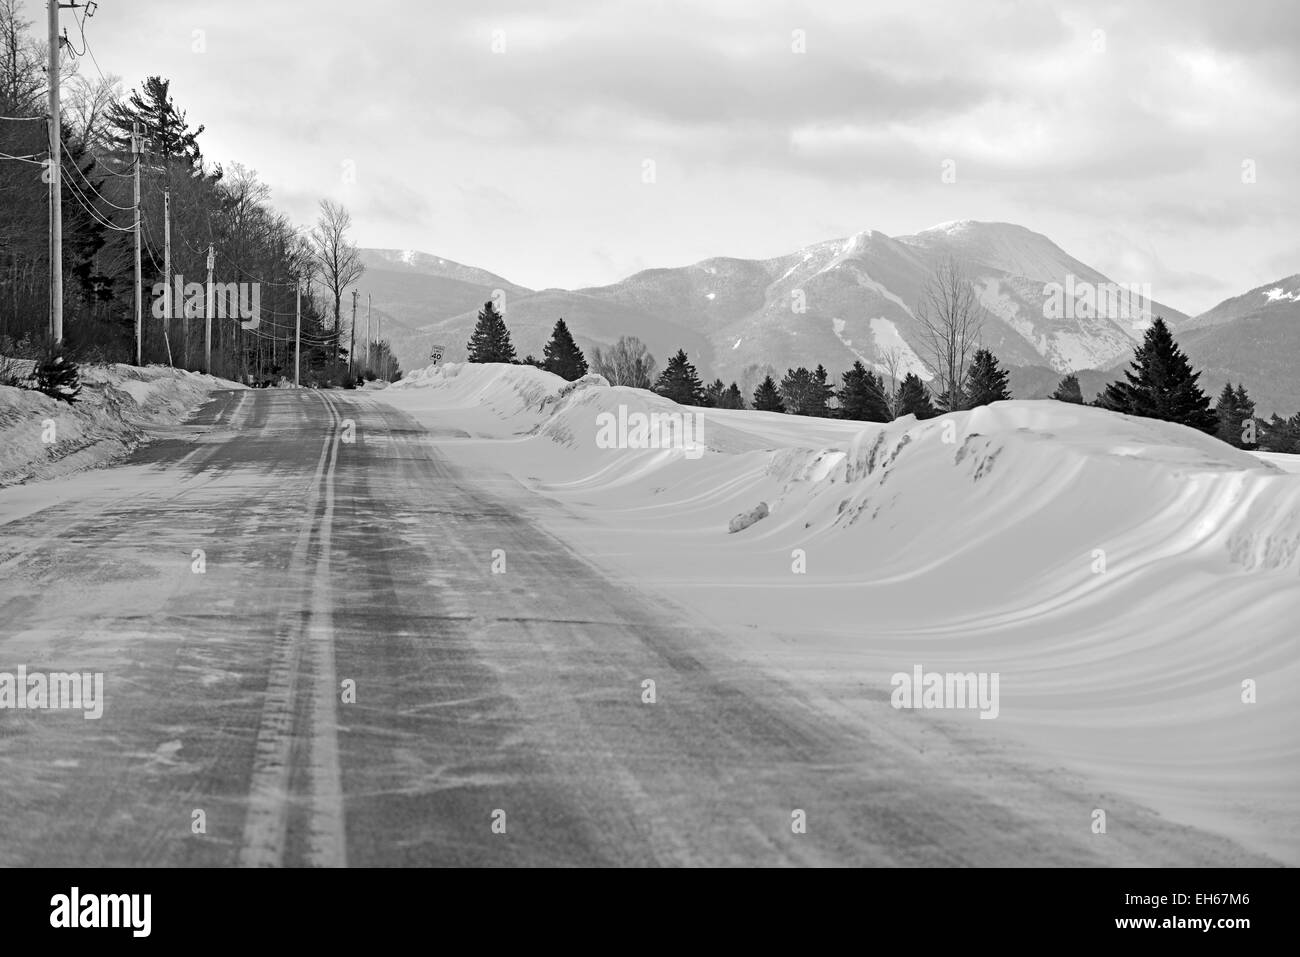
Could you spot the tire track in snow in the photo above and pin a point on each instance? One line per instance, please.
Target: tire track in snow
(270, 800)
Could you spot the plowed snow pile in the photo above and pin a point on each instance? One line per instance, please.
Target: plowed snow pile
(1129, 580)
(42, 437)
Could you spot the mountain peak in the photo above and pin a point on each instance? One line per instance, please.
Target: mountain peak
(412, 260)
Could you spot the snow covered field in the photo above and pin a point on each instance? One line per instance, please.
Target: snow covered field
(1125, 578)
(41, 437)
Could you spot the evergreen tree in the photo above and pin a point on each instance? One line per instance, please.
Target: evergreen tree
(985, 381)
(160, 122)
(491, 339)
(57, 376)
(1161, 384)
(862, 396)
(679, 382)
(1281, 435)
(732, 399)
(713, 394)
(562, 356)
(1226, 411)
(802, 393)
(914, 398)
(822, 392)
(1245, 413)
(1069, 391)
(949, 401)
(767, 398)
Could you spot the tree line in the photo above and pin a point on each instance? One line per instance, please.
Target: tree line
(1160, 384)
(227, 208)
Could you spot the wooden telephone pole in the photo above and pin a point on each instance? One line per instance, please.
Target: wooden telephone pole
(56, 182)
(352, 349)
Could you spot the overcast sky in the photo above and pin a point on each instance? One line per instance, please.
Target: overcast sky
(1119, 130)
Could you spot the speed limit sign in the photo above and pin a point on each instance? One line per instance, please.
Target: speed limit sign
(435, 353)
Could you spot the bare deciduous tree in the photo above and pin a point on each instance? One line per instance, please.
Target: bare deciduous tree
(627, 362)
(22, 72)
(951, 317)
(891, 361)
(88, 100)
(337, 259)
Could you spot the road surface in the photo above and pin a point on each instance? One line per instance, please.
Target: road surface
(325, 643)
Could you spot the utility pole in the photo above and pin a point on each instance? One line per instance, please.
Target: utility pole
(167, 261)
(368, 339)
(207, 333)
(56, 182)
(139, 302)
(297, 338)
(352, 349)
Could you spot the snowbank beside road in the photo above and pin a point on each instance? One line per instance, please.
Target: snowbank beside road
(41, 437)
(1128, 579)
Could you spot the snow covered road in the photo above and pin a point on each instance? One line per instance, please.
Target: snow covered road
(329, 639)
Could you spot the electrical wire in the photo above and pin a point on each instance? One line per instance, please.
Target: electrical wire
(86, 179)
(85, 44)
(110, 172)
(88, 207)
(230, 259)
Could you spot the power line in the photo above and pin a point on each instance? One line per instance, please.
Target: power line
(86, 179)
(23, 119)
(85, 44)
(88, 207)
(25, 159)
(115, 173)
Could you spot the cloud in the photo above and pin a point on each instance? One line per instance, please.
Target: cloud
(1072, 117)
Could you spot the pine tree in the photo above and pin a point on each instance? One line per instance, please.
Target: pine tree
(822, 393)
(862, 397)
(985, 381)
(1281, 435)
(914, 398)
(58, 377)
(1245, 414)
(491, 339)
(679, 381)
(949, 401)
(160, 122)
(562, 356)
(713, 394)
(801, 393)
(1069, 391)
(1226, 411)
(1161, 384)
(732, 399)
(767, 398)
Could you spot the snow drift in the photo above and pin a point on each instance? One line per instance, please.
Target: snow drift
(1129, 579)
(41, 437)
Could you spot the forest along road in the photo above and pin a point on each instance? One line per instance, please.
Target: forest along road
(309, 661)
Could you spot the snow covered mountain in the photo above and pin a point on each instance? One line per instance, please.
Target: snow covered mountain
(422, 264)
(830, 303)
(1254, 339)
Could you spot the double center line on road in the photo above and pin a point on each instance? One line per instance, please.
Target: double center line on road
(299, 645)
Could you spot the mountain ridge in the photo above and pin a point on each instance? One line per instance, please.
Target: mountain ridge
(831, 303)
